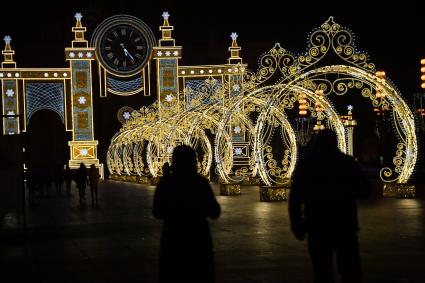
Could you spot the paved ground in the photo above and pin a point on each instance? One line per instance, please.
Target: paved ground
(119, 241)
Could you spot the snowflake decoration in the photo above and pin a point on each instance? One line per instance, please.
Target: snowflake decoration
(236, 87)
(350, 107)
(167, 53)
(159, 53)
(237, 130)
(176, 53)
(170, 149)
(169, 97)
(82, 100)
(71, 54)
(80, 54)
(10, 112)
(10, 92)
(165, 15)
(238, 150)
(89, 54)
(83, 151)
(234, 35)
(126, 115)
(78, 16)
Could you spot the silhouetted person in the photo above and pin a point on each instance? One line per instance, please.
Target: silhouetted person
(166, 170)
(68, 176)
(183, 200)
(58, 178)
(322, 204)
(81, 181)
(94, 181)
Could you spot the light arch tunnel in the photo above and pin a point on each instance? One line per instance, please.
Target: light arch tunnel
(141, 148)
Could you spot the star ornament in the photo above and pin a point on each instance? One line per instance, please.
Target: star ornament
(165, 15)
(350, 107)
(234, 35)
(78, 16)
(7, 39)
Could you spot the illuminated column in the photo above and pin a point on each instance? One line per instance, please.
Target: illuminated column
(423, 73)
(83, 147)
(319, 111)
(349, 124)
(167, 56)
(9, 78)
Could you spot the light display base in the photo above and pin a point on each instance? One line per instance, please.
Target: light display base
(124, 178)
(142, 180)
(273, 193)
(230, 189)
(250, 181)
(397, 190)
(155, 180)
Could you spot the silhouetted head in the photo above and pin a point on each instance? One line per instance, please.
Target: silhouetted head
(92, 166)
(326, 140)
(82, 166)
(184, 160)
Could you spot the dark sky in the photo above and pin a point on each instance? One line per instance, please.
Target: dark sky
(392, 34)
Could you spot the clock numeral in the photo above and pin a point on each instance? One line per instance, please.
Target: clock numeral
(137, 39)
(109, 39)
(139, 47)
(124, 63)
(138, 55)
(108, 47)
(110, 55)
(123, 31)
(115, 33)
(116, 61)
(131, 33)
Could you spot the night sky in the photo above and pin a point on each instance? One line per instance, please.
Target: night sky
(393, 35)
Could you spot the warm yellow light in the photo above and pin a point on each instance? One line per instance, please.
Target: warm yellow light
(423, 77)
(423, 85)
(423, 61)
(423, 69)
(380, 74)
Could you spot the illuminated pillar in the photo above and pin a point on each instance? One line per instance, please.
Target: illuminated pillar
(9, 78)
(423, 73)
(83, 147)
(349, 124)
(167, 56)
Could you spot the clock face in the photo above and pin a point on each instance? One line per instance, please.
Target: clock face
(123, 45)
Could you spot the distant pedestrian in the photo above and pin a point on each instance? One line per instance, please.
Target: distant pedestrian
(68, 176)
(81, 180)
(322, 205)
(183, 200)
(94, 181)
(58, 178)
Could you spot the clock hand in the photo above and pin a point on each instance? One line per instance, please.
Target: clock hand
(126, 53)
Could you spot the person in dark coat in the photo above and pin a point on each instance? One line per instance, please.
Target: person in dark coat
(81, 181)
(322, 205)
(183, 200)
(68, 176)
(94, 183)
